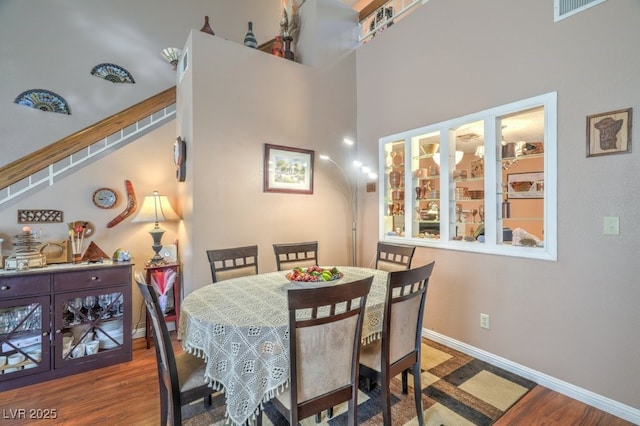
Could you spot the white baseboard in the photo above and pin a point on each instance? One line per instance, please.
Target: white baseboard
(610, 406)
(139, 333)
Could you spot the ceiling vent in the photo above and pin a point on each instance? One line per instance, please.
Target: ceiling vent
(565, 8)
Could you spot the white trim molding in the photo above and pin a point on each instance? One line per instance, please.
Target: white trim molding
(600, 402)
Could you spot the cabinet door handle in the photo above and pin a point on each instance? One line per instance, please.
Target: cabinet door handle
(58, 331)
(45, 334)
(5, 287)
(95, 278)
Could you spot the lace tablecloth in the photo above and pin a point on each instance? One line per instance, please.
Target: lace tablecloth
(240, 327)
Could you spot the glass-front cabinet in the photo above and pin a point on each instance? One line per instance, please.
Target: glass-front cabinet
(394, 188)
(88, 324)
(24, 340)
(485, 182)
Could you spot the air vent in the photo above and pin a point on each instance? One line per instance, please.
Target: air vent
(565, 8)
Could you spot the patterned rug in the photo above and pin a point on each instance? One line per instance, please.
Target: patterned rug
(457, 390)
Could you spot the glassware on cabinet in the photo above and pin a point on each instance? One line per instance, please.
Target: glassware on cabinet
(104, 301)
(96, 325)
(20, 338)
(75, 305)
(89, 302)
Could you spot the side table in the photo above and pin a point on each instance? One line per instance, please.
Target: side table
(172, 315)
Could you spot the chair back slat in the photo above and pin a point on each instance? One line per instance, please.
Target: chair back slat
(233, 262)
(290, 255)
(394, 257)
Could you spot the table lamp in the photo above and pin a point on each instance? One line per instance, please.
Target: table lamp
(156, 208)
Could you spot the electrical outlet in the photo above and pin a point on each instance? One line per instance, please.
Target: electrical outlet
(484, 321)
(611, 225)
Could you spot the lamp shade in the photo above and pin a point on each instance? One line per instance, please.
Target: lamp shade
(156, 208)
(172, 55)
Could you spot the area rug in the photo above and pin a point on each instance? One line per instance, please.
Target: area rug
(456, 390)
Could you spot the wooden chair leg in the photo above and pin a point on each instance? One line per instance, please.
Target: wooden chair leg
(368, 384)
(386, 401)
(207, 401)
(330, 413)
(417, 391)
(164, 406)
(405, 382)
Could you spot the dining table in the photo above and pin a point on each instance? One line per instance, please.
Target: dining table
(240, 327)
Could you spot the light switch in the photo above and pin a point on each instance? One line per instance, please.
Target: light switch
(611, 225)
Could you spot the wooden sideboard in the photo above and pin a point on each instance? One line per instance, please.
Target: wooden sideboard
(63, 319)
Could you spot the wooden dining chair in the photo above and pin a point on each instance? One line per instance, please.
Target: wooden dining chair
(325, 326)
(290, 255)
(394, 257)
(233, 262)
(181, 376)
(398, 350)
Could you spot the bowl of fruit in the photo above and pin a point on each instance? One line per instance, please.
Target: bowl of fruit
(313, 274)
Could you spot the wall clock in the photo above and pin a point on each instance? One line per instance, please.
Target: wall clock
(179, 158)
(105, 198)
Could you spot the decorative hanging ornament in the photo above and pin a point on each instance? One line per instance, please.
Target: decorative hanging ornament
(43, 100)
(113, 73)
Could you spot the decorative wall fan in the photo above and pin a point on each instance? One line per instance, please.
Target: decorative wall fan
(43, 100)
(113, 73)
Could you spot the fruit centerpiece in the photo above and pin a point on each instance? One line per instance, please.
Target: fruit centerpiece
(314, 274)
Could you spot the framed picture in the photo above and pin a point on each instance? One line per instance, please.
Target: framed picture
(525, 185)
(609, 133)
(288, 170)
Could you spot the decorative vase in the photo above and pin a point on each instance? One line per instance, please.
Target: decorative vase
(249, 38)
(276, 48)
(206, 28)
(288, 54)
(162, 300)
(394, 179)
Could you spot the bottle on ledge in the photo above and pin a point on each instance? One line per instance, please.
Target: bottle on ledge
(250, 38)
(206, 28)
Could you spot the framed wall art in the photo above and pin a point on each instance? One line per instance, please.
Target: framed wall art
(525, 185)
(288, 170)
(609, 133)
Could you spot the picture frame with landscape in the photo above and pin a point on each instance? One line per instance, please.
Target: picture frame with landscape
(288, 170)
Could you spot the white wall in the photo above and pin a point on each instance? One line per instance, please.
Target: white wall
(575, 319)
(229, 109)
(53, 45)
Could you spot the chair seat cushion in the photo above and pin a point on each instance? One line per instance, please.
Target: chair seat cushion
(385, 265)
(190, 371)
(235, 273)
(371, 355)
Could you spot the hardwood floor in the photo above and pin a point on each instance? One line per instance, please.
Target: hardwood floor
(127, 394)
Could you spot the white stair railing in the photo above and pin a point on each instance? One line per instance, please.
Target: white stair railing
(50, 174)
(386, 15)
